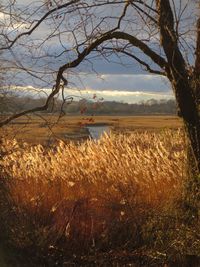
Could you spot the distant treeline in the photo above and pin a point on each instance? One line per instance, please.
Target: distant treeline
(151, 106)
(15, 104)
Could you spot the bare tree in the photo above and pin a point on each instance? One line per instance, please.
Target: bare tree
(163, 36)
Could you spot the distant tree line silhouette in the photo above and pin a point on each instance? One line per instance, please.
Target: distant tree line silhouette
(86, 107)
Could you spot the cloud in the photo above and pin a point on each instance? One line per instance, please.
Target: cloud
(129, 88)
(11, 26)
(120, 96)
(123, 82)
(117, 80)
(88, 93)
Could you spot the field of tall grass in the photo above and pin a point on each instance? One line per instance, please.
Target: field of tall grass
(96, 202)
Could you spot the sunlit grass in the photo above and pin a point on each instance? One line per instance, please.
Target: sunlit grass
(91, 195)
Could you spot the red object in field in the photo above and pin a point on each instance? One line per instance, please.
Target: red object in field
(83, 110)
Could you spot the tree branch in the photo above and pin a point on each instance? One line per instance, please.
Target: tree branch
(169, 39)
(38, 23)
(81, 56)
(141, 62)
(145, 13)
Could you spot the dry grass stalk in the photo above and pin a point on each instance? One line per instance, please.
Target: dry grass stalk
(87, 194)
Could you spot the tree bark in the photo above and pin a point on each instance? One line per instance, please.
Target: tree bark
(197, 61)
(180, 78)
(189, 111)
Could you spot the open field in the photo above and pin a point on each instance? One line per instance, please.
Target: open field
(41, 129)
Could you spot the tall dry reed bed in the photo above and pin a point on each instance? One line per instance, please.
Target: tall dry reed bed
(81, 199)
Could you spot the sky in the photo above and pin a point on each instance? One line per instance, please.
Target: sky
(126, 87)
(113, 78)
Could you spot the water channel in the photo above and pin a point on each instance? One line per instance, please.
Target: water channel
(96, 131)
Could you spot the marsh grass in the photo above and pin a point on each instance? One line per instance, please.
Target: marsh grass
(70, 201)
(46, 129)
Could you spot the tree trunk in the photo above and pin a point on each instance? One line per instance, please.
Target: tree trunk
(181, 78)
(191, 202)
(193, 149)
(189, 111)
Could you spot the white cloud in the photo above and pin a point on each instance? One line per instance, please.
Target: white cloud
(125, 96)
(11, 25)
(88, 93)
